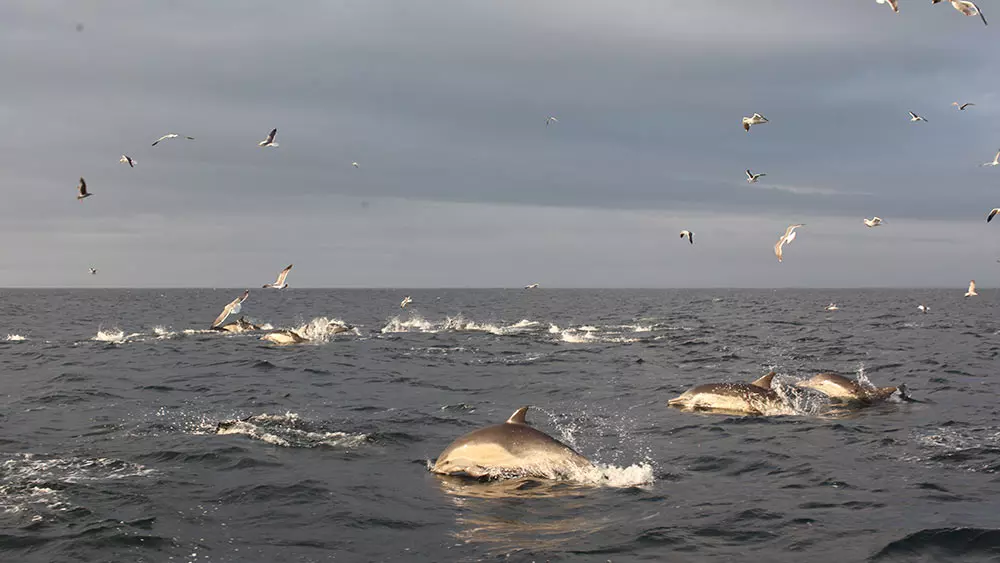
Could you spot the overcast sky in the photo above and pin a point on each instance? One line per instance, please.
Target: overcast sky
(461, 183)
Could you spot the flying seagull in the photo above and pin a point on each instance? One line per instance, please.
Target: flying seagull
(550, 120)
(232, 308)
(355, 164)
(406, 301)
(126, 159)
(83, 189)
(93, 271)
(962, 106)
(914, 117)
(532, 286)
(996, 160)
(832, 307)
(966, 7)
(892, 4)
(873, 222)
(171, 136)
(786, 238)
(689, 235)
(993, 212)
(280, 283)
(972, 289)
(269, 141)
(923, 308)
(755, 119)
(752, 178)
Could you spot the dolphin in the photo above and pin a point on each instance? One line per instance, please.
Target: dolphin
(510, 450)
(284, 337)
(755, 398)
(238, 326)
(844, 390)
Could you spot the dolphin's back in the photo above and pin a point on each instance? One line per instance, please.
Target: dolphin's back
(744, 398)
(841, 388)
(509, 450)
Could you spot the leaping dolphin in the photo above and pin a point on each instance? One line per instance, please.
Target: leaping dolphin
(844, 390)
(755, 398)
(510, 450)
(238, 326)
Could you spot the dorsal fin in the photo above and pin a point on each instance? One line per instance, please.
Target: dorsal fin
(518, 416)
(765, 381)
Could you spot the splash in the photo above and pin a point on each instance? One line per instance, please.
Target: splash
(15, 338)
(113, 335)
(605, 475)
(286, 431)
(163, 332)
(415, 323)
(322, 329)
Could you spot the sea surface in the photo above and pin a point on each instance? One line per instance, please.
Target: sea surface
(110, 402)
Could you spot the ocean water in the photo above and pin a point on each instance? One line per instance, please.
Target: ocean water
(110, 402)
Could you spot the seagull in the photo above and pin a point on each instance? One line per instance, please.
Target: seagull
(93, 271)
(892, 4)
(966, 7)
(689, 235)
(355, 164)
(786, 238)
(914, 117)
(83, 189)
(972, 289)
(406, 301)
(923, 308)
(753, 120)
(996, 160)
(993, 212)
(832, 307)
(280, 283)
(962, 107)
(269, 141)
(126, 159)
(752, 178)
(171, 136)
(550, 120)
(232, 308)
(873, 222)
(532, 286)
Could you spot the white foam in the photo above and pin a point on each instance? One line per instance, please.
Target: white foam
(281, 430)
(636, 475)
(415, 323)
(15, 338)
(114, 335)
(322, 329)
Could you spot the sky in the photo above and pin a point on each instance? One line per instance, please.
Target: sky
(460, 182)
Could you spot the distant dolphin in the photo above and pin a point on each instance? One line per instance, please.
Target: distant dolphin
(755, 398)
(509, 450)
(842, 389)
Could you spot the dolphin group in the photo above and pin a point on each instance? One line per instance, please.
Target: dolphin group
(510, 450)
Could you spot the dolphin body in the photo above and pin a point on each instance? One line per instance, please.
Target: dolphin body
(284, 337)
(510, 450)
(755, 398)
(844, 390)
(238, 326)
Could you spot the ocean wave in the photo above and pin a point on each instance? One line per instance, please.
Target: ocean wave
(33, 483)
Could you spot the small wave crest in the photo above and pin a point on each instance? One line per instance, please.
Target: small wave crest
(15, 338)
(111, 335)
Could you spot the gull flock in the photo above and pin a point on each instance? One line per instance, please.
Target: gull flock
(964, 7)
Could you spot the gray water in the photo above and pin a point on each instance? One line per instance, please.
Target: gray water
(108, 450)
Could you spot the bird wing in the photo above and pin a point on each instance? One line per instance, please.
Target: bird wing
(167, 136)
(270, 136)
(749, 175)
(777, 248)
(283, 275)
(972, 286)
(746, 125)
(966, 105)
(912, 115)
(691, 237)
(222, 316)
(83, 186)
(992, 213)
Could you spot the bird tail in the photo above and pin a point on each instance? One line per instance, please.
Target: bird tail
(274, 144)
